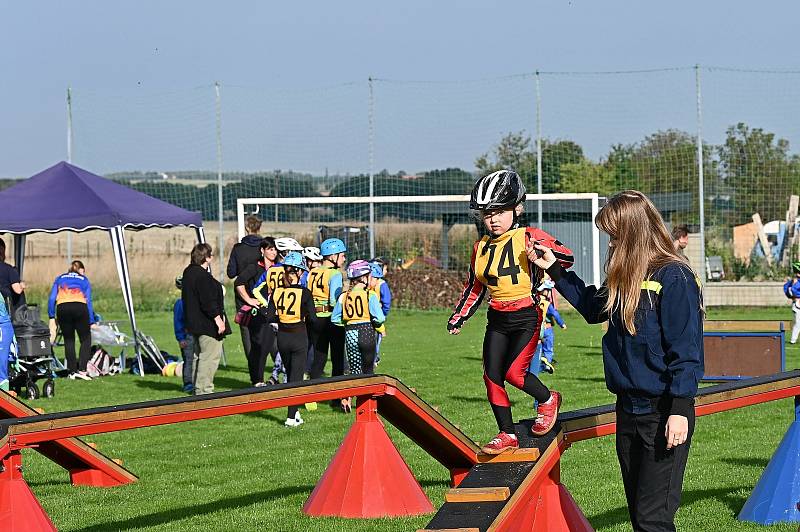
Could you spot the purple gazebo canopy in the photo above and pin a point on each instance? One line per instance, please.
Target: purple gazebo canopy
(67, 198)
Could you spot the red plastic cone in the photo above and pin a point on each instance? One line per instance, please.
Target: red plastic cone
(19, 509)
(367, 477)
(553, 509)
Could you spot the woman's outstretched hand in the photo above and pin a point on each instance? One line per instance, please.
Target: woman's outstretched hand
(540, 255)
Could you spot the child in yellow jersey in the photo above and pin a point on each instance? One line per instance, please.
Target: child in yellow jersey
(292, 307)
(325, 283)
(360, 313)
(501, 264)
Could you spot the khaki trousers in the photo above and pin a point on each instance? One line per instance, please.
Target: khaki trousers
(209, 351)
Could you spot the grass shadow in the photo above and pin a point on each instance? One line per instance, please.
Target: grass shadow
(176, 514)
(481, 399)
(760, 463)
(726, 495)
(162, 386)
(588, 379)
(435, 483)
(230, 383)
(479, 359)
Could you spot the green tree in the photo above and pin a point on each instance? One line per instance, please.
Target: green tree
(758, 169)
(587, 176)
(515, 151)
(554, 156)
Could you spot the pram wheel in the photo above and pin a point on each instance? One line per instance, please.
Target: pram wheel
(32, 391)
(49, 388)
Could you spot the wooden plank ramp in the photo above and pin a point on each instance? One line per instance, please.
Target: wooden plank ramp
(477, 503)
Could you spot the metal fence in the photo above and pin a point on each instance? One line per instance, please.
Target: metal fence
(712, 146)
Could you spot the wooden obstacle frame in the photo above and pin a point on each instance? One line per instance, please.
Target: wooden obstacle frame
(521, 491)
(740, 349)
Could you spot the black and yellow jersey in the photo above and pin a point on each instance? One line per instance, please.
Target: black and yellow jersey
(269, 281)
(500, 266)
(358, 306)
(291, 306)
(325, 283)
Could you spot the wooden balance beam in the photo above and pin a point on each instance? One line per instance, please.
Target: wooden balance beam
(537, 499)
(601, 420)
(86, 465)
(396, 403)
(397, 492)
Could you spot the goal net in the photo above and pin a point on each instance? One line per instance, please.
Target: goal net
(424, 231)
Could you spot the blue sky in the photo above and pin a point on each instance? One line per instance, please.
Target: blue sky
(116, 54)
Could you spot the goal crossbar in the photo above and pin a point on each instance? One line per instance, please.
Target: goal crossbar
(592, 197)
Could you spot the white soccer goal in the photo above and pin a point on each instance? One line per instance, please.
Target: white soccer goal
(436, 229)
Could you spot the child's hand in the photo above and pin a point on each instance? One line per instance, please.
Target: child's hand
(540, 255)
(454, 330)
(564, 326)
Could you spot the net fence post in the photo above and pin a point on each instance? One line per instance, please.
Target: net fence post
(69, 160)
(240, 212)
(700, 187)
(220, 215)
(595, 241)
(371, 135)
(538, 147)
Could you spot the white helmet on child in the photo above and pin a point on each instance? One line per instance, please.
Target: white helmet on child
(312, 253)
(287, 244)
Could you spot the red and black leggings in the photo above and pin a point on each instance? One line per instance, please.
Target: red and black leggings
(508, 347)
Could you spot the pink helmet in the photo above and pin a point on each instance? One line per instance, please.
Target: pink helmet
(358, 268)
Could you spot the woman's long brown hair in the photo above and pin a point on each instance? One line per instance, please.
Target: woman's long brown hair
(640, 244)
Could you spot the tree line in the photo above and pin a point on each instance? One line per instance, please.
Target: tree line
(753, 170)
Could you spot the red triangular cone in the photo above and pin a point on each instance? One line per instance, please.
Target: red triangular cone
(367, 478)
(553, 509)
(19, 509)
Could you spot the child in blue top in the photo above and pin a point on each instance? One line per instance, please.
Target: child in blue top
(380, 288)
(8, 344)
(543, 359)
(70, 304)
(792, 290)
(184, 338)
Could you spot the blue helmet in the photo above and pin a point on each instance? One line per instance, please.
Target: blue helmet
(295, 260)
(332, 246)
(377, 269)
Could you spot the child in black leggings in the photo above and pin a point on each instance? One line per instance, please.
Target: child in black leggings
(292, 306)
(501, 265)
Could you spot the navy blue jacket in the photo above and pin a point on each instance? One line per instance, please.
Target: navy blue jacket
(665, 356)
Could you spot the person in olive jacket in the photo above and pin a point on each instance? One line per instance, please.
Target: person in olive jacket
(204, 311)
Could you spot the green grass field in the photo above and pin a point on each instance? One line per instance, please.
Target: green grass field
(249, 472)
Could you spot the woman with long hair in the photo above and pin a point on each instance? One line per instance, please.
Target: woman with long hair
(261, 337)
(70, 304)
(652, 351)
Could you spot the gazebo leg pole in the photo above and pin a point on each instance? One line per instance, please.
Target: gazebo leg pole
(121, 258)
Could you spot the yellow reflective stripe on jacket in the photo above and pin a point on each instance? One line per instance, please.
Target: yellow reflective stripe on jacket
(653, 286)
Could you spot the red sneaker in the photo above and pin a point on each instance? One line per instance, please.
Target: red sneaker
(547, 415)
(501, 443)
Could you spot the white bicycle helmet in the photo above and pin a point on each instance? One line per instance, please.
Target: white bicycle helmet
(287, 244)
(312, 253)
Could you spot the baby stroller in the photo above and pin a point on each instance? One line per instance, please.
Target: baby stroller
(34, 356)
